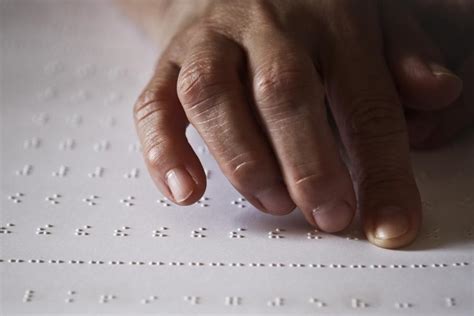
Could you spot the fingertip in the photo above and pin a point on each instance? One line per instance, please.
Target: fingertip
(425, 85)
(183, 186)
(392, 227)
(276, 200)
(333, 216)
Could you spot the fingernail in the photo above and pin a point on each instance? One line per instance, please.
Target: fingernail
(276, 200)
(180, 184)
(440, 71)
(391, 222)
(333, 216)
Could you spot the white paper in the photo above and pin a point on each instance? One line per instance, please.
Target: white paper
(84, 230)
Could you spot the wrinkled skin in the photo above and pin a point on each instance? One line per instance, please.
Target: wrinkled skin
(261, 80)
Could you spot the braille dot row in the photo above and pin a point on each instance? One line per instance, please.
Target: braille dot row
(238, 264)
(355, 303)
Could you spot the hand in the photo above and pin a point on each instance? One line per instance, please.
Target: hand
(252, 78)
(423, 40)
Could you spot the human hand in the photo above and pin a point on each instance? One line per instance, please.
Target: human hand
(422, 40)
(252, 78)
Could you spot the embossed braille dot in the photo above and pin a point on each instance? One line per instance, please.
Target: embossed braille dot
(122, 232)
(233, 300)
(106, 298)
(41, 119)
(128, 201)
(91, 200)
(25, 171)
(202, 202)
(7, 229)
(53, 68)
(164, 202)
(450, 302)
(313, 235)
(133, 174)
(75, 120)
(240, 202)
(403, 305)
(149, 299)
(53, 199)
(277, 301)
(67, 144)
(358, 303)
(276, 233)
(16, 198)
(32, 143)
(103, 145)
(97, 173)
(199, 233)
(44, 230)
(317, 302)
(61, 172)
(193, 300)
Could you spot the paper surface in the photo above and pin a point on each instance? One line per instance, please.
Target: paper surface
(84, 230)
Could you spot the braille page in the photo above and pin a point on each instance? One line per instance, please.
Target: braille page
(84, 230)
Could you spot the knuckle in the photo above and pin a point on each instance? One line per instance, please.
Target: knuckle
(199, 81)
(274, 78)
(375, 119)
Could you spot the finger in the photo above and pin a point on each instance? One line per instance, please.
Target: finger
(370, 119)
(161, 125)
(214, 100)
(429, 130)
(422, 78)
(289, 98)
